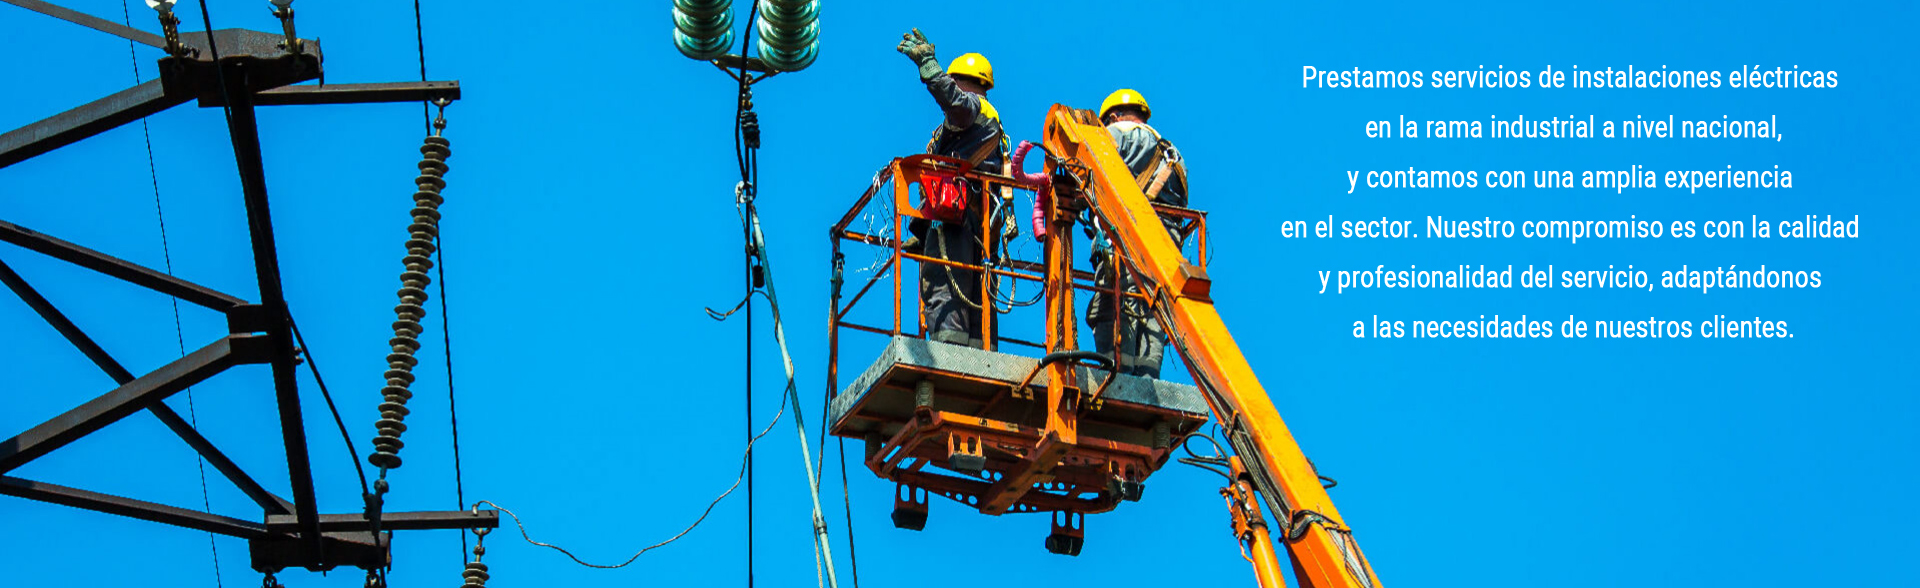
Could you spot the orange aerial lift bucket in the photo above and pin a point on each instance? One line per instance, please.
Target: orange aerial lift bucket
(1054, 431)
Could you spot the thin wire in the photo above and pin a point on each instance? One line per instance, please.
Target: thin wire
(353, 455)
(453, 412)
(226, 109)
(226, 97)
(420, 39)
(166, 251)
(750, 217)
(846, 498)
(696, 522)
(722, 316)
(744, 155)
(746, 377)
(440, 276)
(826, 410)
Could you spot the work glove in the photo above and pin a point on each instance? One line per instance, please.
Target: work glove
(915, 46)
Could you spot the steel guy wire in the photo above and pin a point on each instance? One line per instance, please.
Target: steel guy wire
(750, 219)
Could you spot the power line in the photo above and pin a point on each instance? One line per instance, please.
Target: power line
(744, 460)
(440, 275)
(846, 499)
(453, 412)
(743, 154)
(166, 252)
(420, 40)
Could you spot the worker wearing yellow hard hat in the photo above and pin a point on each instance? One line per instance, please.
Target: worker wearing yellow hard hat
(969, 130)
(973, 67)
(1161, 174)
(1125, 97)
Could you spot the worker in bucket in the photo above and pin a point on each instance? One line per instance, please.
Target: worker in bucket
(969, 130)
(1161, 174)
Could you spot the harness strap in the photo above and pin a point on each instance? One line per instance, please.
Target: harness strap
(1166, 168)
(986, 148)
(988, 113)
(1146, 175)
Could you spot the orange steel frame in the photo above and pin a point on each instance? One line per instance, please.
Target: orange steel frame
(1031, 469)
(1088, 173)
(1318, 541)
(908, 171)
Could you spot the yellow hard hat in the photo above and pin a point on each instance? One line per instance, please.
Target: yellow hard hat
(973, 65)
(1124, 97)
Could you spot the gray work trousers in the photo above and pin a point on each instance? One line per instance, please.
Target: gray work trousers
(952, 316)
(1142, 342)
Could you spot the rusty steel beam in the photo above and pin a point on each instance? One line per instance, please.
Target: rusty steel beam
(352, 94)
(120, 375)
(130, 398)
(113, 266)
(219, 460)
(182, 78)
(92, 22)
(274, 553)
(65, 326)
(392, 521)
(245, 135)
(127, 507)
(87, 120)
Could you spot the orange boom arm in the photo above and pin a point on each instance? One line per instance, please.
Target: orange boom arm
(1317, 538)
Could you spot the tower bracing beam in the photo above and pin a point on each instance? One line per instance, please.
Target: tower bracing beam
(130, 398)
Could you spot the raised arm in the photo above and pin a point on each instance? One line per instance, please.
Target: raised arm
(960, 107)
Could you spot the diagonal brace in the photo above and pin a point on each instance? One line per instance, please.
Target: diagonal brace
(119, 268)
(120, 375)
(133, 396)
(92, 22)
(86, 120)
(127, 507)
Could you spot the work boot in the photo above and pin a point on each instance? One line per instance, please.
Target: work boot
(961, 338)
(950, 337)
(916, 229)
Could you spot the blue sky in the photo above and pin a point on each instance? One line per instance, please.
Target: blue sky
(590, 217)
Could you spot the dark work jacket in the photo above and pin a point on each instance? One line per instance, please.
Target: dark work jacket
(1137, 144)
(969, 122)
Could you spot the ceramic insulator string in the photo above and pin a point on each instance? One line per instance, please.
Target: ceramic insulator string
(410, 311)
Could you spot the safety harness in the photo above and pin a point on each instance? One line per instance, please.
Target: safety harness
(986, 148)
(1165, 164)
(945, 198)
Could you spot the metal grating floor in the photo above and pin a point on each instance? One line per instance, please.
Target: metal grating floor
(977, 382)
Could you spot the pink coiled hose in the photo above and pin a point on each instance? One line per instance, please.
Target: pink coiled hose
(1043, 196)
